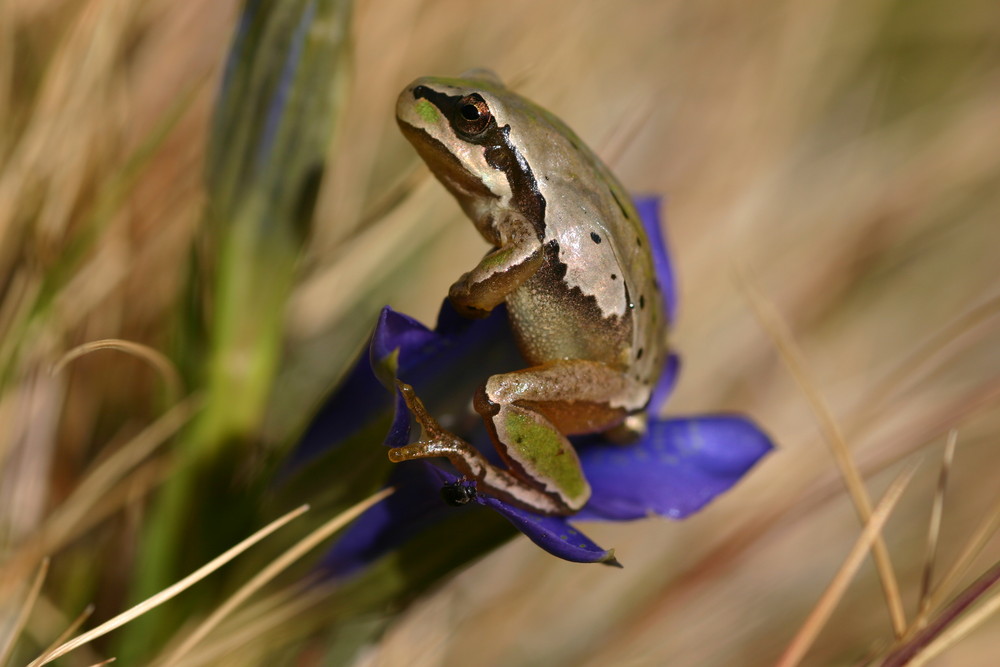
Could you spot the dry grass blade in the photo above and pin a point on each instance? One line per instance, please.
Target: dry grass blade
(835, 591)
(278, 565)
(934, 530)
(904, 654)
(97, 484)
(77, 512)
(792, 356)
(171, 591)
(104, 662)
(975, 545)
(928, 352)
(957, 632)
(64, 635)
(166, 368)
(624, 134)
(260, 628)
(29, 602)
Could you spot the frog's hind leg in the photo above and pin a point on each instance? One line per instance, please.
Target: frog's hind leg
(530, 412)
(437, 442)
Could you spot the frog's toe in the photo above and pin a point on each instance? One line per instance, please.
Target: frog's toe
(630, 430)
(417, 408)
(469, 311)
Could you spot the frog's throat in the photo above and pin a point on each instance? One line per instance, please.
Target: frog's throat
(448, 169)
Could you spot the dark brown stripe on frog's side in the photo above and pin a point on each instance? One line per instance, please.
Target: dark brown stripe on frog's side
(500, 154)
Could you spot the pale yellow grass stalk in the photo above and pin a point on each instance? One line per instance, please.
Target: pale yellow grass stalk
(790, 353)
(64, 635)
(276, 567)
(820, 614)
(175, 589)
(79, 512)
(163, 365)
(242, 635)
(957, 631)
(29, 602)
(984, 531)
(934, 530)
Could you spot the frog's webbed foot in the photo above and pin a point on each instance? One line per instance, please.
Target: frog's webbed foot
(436, 441)
(430, 429)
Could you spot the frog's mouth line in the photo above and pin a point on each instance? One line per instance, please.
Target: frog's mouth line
(444, 165)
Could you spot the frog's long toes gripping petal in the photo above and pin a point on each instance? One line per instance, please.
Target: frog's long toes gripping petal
(434, 440)
(407, 453)
(431, 430)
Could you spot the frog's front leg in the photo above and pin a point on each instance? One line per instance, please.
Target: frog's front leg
(517, 256)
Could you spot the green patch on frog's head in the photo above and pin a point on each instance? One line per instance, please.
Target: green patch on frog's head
(460, 110)
(427, 111)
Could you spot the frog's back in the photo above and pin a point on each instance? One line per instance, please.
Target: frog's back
(595, 296)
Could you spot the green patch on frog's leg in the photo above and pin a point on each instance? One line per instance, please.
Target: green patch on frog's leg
(542, 454)
(427, 111)
(497, 259)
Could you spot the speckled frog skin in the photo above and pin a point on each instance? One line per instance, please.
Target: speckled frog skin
(570, 259)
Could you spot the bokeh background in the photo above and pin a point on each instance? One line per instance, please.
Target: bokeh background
(840, 158)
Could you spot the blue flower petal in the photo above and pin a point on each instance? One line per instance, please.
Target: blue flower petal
(649, 212)
(553, 533)
(674, 470)
(448, 363)
(394, 333)
(399, 432)
(359, 400)
(414, 506)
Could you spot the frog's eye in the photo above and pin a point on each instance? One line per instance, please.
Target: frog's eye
(472, 115)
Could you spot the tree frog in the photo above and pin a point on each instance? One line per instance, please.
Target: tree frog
(570, 259)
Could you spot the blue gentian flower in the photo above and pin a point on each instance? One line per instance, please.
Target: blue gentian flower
(675, 469)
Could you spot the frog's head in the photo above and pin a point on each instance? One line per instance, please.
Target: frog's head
(458, 128)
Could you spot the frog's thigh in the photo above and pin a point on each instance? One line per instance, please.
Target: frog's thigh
(530, 412)
(576, 396)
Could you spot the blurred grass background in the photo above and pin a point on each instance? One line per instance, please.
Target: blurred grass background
(843, 157)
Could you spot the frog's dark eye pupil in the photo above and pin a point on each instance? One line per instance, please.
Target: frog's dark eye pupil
(419, 91)
(472, 115)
